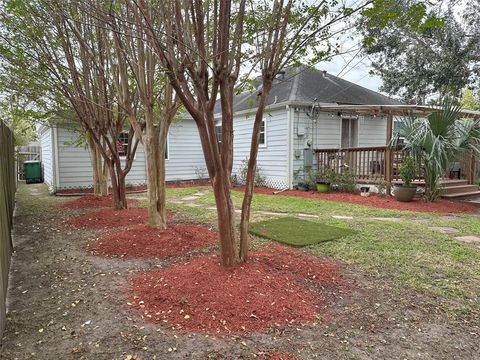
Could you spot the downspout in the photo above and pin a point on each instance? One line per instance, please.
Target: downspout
(290, 147)
(56, 178)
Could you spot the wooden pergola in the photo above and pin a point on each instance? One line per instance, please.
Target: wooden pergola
(363, 157)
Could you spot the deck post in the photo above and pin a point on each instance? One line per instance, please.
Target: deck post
(472, 170)
(388, 153)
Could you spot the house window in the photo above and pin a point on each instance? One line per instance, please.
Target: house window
(349, 133)
(263, 134)
(122, 144)
(218, 129)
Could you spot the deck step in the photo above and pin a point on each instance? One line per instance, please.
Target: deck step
(458, 189)
(462, 196)
(452, 182)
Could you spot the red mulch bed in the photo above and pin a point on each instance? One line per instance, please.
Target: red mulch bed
(87, 202)
(108, 218)
(441, 206)
(203, 296)
(143, 241)
(280, 356)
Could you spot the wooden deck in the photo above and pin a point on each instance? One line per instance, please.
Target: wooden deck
(380, 163)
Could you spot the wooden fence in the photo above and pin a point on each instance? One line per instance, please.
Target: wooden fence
(7, 202)
(26, 153)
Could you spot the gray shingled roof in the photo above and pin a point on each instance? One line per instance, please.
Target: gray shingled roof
(304, 84)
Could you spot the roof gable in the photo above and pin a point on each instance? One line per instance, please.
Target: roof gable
(305, 84)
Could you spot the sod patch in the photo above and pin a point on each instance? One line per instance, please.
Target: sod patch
(297, 232)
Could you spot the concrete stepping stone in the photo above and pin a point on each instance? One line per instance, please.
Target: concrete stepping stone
(444, 229)
(469, 239)
(342, 217)
(270, 213)
(387, 219)
(189, 198)
(308, 216)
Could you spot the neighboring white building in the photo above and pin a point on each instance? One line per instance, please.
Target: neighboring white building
(290, 126)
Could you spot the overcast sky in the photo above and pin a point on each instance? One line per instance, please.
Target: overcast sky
(356, 71)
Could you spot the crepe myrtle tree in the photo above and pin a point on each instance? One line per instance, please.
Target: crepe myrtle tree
(204, 44)
(72, 52)
(139, 72)
(32, 96)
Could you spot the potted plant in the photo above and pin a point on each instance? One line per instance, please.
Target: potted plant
(324, 180)
(406, 191)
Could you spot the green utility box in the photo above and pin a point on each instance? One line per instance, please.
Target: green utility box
(32, 171)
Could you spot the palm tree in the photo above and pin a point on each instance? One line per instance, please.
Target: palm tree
(439, 140)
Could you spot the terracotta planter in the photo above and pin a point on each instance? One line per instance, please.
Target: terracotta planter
(404, 193)
(323, 187)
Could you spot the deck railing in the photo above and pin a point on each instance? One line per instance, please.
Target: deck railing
(369, 164)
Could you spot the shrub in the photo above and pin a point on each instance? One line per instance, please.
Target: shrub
(346, 181)
(382, 185)
(328, 176)
(407, 171)
(240, 177)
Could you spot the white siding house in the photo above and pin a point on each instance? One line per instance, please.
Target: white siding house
(45, 135)
(291, 131)
(324, 131)
(273, 150)
(67, 166)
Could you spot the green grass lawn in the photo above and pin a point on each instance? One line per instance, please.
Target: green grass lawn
(293, 204)
(405, 252)
(297, 232)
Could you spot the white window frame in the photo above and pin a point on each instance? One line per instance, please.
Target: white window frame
(264, 145)
(218, 125)
(125, 156)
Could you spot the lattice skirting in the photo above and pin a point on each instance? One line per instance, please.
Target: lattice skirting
(271, 182)
(90, 185)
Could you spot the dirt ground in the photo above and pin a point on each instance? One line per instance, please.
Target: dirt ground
(66, 304)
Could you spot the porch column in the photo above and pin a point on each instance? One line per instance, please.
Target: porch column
(389, 153)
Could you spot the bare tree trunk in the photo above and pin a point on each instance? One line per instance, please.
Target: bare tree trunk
(250, 181)
(122, 193)
(118, 185)
(154, 148)
(95, 166)
(100, 185)
(226, 220)
(101, 173)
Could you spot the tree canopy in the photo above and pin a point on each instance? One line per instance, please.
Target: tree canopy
(425, 50)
